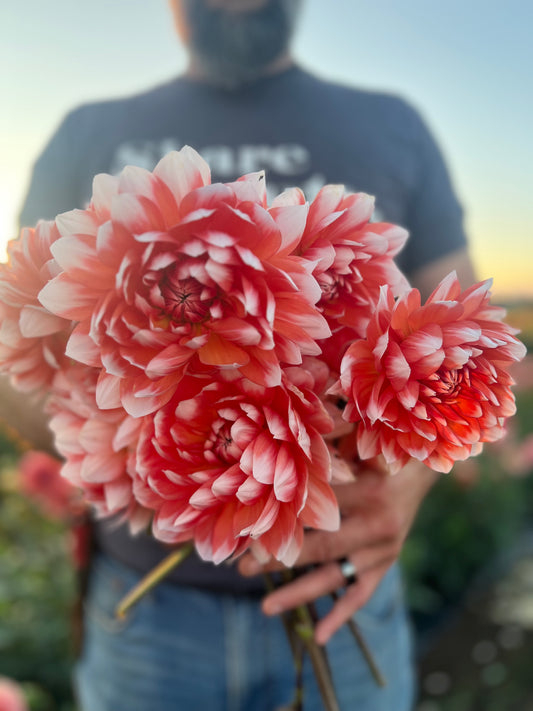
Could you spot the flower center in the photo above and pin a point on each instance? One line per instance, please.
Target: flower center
(220, 441)
(450, 383)
(185, 299)
(330, 286)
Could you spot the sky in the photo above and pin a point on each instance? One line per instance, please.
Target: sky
(465, 64)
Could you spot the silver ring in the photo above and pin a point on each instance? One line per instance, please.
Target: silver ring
(348, 570)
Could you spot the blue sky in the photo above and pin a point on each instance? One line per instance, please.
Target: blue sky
(466, 64)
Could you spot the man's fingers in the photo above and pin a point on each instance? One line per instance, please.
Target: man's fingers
(325, 580)
(352, 600)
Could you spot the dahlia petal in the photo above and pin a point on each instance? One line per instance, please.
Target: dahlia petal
(288, 555)
(242, 432)
(263, 368)
(285, 475)
(276, 424)
(220, 352)
(291, 222)
(267, 518)
(227, 483)
(448, 289)
(107, 391)
(368, 441)
(135, 214)
(396, 366)
(220, 274)
(408, 396)
(94, 435)
(223, 542)
(203, 498)
(321, 509)
(251, 490)
(102, 467)
(36, 322)
(237, 331)
(66, 298)
(422, 343)
(264, 459)
(290, 196)
(117, 494)
(170, 360)
(75, 223)
(183, 171)
(104, 188)
(245, 517)
(126, 434)
(81, 347)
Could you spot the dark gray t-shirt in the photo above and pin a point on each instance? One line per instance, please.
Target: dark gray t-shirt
(303, 131)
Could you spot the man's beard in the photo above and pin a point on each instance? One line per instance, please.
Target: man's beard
(235, 48)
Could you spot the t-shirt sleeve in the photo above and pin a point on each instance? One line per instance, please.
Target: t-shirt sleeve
(435, 216)
(53, 184)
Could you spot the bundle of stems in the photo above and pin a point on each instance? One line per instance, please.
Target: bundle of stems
(299, 625)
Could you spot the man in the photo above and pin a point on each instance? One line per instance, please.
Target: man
(200, 640)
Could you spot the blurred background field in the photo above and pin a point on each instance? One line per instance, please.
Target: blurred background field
(468, 566)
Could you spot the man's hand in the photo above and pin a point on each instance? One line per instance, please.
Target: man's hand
(377, 510)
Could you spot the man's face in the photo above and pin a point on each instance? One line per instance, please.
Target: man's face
(235, 40)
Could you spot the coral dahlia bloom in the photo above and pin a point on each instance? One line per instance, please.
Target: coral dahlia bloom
(32, 340)
(237, 465)
(98, 446)
(352, 256)
(166, 274)
(431, 381)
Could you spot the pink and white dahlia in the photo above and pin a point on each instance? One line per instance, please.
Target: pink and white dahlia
(32, 340)
(431, 381)
(98, 446)
(166, 274)
(352, 256)
(236, 465)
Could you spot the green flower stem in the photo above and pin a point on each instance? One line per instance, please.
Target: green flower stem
(305, 629)
(365, 650)
(153, 578)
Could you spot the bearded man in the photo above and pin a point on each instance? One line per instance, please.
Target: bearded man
(202, 640)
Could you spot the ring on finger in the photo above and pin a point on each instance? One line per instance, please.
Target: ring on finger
(348, 570)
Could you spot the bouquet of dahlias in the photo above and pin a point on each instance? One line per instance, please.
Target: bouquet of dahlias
(189, 337)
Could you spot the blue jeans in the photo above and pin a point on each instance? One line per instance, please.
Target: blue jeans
(184, 649)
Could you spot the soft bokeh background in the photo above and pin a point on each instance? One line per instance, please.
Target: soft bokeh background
(466, 64)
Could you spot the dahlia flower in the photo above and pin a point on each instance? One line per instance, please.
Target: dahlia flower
(98, 446)
(237, 464)
(431, 381)
(32, 340)
(166, 275)
(40, 479)
(352, 256)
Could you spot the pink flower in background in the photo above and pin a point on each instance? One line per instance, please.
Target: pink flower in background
(239, 464)
(32, 340)
(167, 274)
(11, 696)
(430, 381)
(40, 479)
(98, 446)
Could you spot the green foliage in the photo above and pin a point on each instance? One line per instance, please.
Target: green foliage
(461, 528)
(36, 595)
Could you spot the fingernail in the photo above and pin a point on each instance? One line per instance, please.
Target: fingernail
(272, 607)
